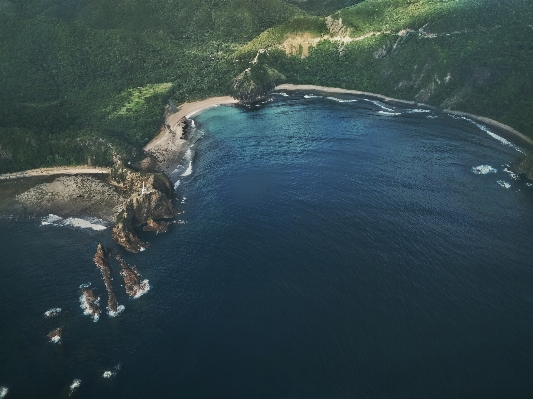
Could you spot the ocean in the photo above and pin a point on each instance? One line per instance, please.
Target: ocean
(331, 248)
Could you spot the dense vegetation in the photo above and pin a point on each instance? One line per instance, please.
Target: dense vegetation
(83, 80)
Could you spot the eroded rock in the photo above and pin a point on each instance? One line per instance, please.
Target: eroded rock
(132, 279)
(101, 259)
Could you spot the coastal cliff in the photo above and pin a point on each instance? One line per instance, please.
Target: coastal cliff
(150, 200)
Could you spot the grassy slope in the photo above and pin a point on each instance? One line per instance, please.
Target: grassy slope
(77, 78)
(479, 60)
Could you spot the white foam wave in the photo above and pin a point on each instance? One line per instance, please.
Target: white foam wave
(504, 184)
(89, 223)
(339, 100)
(144, 287)
(55, 339)
(120, 309)
(281, 94)
(389, 113)
(108, 374)
(312, 96)
(3, 392)
(52, 312)
(380, 104)
(75, 385)
(491, 134)
(432, 116)
(85, 285)
(177, 184)
(529, 184)
(418, 110)
(188, 171)
(193, 125)
(513, 175)
(483, 169)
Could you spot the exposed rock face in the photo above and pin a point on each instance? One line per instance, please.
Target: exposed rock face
(101, 258)
(55, 335)
(158, 227)
(132, 279)
(523, 166)
(90, 303)
(149, 200)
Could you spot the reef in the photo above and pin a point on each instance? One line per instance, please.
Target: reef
(149, 202)
(101, 259)
(90, 302)
(132, 279)
(523, 167)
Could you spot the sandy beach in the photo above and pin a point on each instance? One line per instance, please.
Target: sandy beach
(168, 146)
(506, 130)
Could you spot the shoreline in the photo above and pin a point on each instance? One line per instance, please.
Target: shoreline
(500, 127)
(168, 146)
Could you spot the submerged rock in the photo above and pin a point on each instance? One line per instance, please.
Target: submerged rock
(90, 303)
(55, 335)
(52, 312)
(101, 259)
(132, 279)
(523, 166)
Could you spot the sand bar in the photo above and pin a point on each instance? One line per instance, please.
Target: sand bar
(502, 128)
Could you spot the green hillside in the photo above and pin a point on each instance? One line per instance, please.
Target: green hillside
(473, 56)
(83, 80)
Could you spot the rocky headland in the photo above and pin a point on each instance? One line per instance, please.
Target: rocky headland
(149, 202)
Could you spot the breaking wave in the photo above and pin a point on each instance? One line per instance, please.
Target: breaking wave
(177, 184)
(109, 373)
(380, 104)
(312, 96)
(89, 223)
(491, 134)
(281, 94)
(504, 184)
(483, 169)
(75, 385)
(513, 175)
(3, 392)
(55, 340)
(52, 312)
(389, 113)
(339, 100)
(120, 309)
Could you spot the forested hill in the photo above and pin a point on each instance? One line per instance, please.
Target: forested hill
(81, 80)
(468, 55)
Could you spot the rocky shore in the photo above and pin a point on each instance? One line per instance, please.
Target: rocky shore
(523, 167)
(90, 303)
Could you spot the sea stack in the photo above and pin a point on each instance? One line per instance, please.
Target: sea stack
(132, 279)
(101, 259)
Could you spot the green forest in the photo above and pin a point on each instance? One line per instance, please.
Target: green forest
(81, 81)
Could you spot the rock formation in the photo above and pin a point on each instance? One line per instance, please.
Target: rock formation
(55, 335)
(90, 303)
(523, 166)
(132, 279)
(150, 199)
(157, 227)
(101, 259)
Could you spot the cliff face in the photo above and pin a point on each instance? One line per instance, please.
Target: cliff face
(524, 167)
(150, 199)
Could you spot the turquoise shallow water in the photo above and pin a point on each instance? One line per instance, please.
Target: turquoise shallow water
(332, 249)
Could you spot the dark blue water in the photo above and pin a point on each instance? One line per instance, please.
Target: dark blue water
(331, 251)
